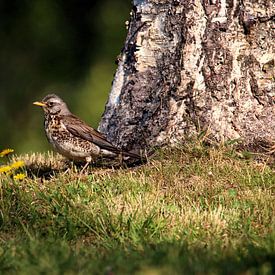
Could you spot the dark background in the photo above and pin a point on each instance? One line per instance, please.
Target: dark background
(66, 47)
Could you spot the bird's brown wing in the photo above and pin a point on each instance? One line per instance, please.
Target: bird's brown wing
(80, 129)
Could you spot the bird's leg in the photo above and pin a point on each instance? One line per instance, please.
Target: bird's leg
(88, 161)
(71, 166)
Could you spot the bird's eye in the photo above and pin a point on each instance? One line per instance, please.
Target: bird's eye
(50, 104)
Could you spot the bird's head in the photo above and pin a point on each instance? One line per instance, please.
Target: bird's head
(52, 104)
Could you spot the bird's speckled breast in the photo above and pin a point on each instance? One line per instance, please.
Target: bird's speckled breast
(65, 143)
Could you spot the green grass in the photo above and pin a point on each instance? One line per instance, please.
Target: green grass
(190, 210)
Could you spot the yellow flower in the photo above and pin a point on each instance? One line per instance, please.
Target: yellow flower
(17, 164)
(19, 176)
(6, 152)
(5, 169)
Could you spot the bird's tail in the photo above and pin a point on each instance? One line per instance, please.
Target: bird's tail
(132, 154)
(141, 156)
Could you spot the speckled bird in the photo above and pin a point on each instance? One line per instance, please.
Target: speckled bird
(72, 137)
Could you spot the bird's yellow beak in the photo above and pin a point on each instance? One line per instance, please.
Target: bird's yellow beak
(40, 104)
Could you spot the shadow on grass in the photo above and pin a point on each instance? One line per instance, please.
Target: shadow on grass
(60, 257)
(48, 170)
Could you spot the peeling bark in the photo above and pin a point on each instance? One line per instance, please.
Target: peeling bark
(189, 66)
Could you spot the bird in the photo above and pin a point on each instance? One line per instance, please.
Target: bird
(73, 138)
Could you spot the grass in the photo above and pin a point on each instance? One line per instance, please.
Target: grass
(190, 210)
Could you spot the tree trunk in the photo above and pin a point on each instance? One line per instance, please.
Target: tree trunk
(191, 66)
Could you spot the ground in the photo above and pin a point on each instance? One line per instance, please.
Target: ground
(192, 209)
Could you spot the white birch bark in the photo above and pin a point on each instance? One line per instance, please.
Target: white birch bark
(189, 66)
